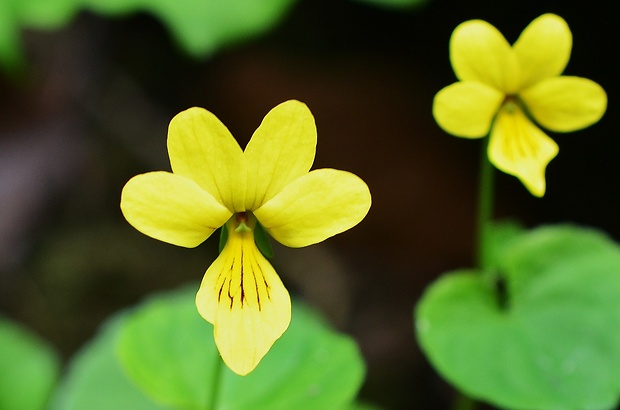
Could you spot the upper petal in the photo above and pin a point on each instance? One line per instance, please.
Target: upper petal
(281, 150)
(479, 52)
(565, 103)
(242, 295)
(171, 208)
(201, 148)
(543, 49)
(316, 206)
(519, 148)
(467, 108)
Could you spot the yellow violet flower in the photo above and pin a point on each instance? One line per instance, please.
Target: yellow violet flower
(215, 183)
(502, 88)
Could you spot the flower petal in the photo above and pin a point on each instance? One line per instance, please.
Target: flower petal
(519, 148)
(281, 150)
(316, 206)
(543, 49)
(467, 108)
(479, 52)
(565, 103)
(242, 295)
(171, 208)
(202, 149)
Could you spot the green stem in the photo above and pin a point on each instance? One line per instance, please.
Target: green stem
(485, 216)
(485, 205)
(217, 372)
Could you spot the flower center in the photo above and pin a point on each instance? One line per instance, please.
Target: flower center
(244, 222)
(511, 103)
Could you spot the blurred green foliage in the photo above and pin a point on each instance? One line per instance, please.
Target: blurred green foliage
(201, 27)
(29, 369)
(396, 4)
(162, 355)
(547, 337)
(95, 378)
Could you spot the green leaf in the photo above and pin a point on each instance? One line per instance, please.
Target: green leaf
(28, 369)
(310, 367)
(167, 349)
(555, 345)
(96, 381)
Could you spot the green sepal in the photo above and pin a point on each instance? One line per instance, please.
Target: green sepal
(223, 238)
(262, 241)
(261, 238)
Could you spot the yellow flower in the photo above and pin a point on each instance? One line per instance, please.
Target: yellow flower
(215, 183)
(503, 87)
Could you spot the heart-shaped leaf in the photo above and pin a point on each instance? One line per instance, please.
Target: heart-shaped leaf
(162, 355)
(168, 350)
(553, 342)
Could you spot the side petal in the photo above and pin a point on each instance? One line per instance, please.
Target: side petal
(565, 103)
(479, 52)
(519, 148)
(543, 49)
(467, 108)
(202, 149)
(171, 208)
(281, 150)
(320, 204)
(242, 295)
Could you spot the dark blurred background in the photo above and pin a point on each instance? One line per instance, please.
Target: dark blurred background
(93, 107)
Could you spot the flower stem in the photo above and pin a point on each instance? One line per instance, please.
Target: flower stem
(485, 206)
(217, 378)
(485, 216)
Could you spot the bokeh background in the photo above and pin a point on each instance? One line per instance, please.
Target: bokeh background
(91, 106)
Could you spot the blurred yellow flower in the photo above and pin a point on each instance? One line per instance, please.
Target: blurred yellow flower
(215, 183)
(503, 87)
